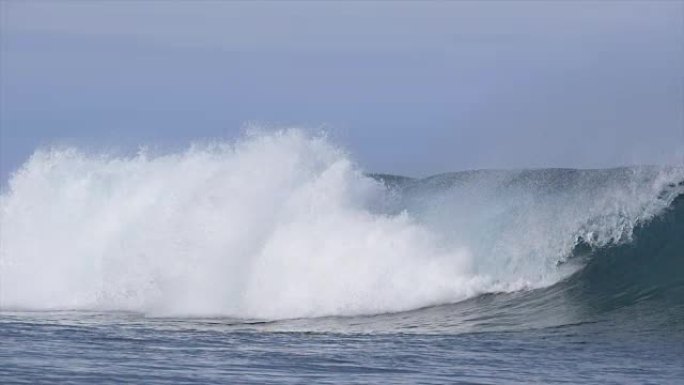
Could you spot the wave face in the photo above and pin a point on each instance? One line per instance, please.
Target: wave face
(285, 225)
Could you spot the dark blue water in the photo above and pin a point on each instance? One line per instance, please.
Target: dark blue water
(127, 348)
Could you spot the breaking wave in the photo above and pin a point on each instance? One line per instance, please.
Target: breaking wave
(285, 225)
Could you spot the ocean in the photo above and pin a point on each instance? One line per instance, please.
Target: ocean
(278, 259)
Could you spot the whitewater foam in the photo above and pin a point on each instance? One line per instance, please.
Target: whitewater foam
(284, 224)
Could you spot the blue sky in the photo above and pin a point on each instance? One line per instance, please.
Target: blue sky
(407, 87)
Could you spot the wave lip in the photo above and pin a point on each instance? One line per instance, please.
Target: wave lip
(285, 225)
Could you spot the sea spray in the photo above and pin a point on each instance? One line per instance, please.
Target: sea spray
(284, 224)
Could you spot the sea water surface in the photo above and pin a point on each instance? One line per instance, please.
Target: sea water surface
(277, 259)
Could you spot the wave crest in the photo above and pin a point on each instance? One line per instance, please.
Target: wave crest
(284, 225)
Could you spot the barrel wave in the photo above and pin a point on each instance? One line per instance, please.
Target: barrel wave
(285, 225)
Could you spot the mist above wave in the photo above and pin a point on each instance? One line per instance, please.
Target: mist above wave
(284, 224)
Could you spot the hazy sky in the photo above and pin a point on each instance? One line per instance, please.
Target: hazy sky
(407, 87)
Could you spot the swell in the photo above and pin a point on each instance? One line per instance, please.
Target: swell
(635, 286)
(649, 268)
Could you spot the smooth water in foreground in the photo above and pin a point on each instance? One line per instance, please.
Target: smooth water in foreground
(275, 259)
(125, 348)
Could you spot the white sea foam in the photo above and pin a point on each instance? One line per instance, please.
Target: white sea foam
(282, 225)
